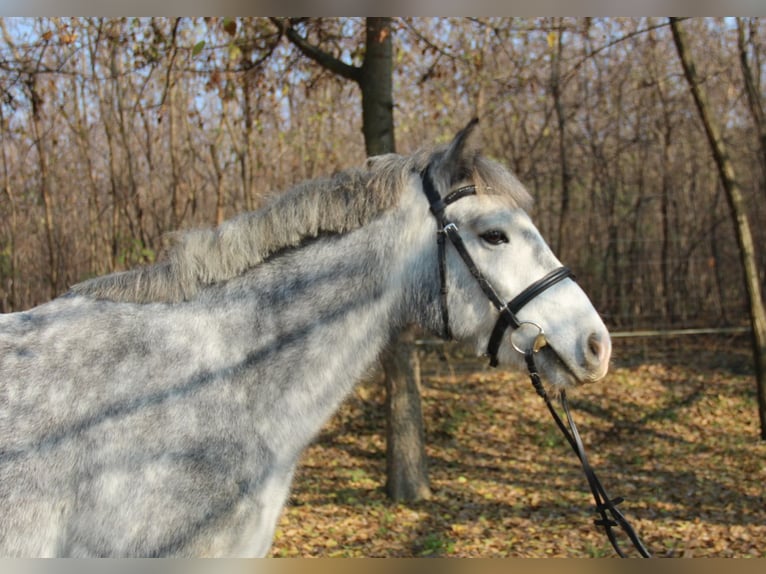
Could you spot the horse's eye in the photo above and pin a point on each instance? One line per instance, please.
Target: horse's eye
(494, 237)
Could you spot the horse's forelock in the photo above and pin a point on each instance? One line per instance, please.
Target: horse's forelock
(492, 177)
(471, 167)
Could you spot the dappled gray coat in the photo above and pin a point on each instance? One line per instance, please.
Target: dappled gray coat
(162, 410)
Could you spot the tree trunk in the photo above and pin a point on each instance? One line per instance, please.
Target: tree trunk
(406, 467)
(8, 302)
(170, 101)
(407, 475)
(566, 176)
(376, 84)
(220, 189)
(45, 192)
(738, 209)
(754, 100)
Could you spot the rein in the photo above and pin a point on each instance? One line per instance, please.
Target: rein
(604, 504)
(507, 318)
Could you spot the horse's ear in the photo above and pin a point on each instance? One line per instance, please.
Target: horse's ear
(457, 161)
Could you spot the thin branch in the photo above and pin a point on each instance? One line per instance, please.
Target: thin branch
(312, 52)
(429, 43)
(173, 53)
(613, 43)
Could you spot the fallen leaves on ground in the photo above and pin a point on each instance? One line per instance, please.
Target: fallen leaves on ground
(679, 441)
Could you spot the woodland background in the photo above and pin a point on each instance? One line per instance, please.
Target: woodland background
(117, 131)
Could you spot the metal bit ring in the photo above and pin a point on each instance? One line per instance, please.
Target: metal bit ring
(538, 340)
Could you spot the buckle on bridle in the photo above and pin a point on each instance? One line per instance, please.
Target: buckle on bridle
(450, 227)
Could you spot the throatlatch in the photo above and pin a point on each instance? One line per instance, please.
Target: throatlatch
(605, 506)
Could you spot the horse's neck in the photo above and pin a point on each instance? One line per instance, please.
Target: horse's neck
(320, 317)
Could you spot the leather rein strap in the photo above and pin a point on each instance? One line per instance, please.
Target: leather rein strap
(604, 504)
(507, 319)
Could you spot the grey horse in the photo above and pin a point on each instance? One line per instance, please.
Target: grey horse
(161, 411)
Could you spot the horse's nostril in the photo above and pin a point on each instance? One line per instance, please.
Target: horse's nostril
(598, 349)
(594, 345)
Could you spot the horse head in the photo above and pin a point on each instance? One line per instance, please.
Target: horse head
(506, 292)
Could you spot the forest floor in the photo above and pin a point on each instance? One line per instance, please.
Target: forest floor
(673, 429)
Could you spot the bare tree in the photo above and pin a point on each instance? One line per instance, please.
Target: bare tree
(407, 477)
(556, 42)
(31, 70)
(751, 74)
(739, 215)
(9, 257)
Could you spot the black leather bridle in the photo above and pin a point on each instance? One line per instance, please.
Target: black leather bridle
(507, 319)
(507, 311)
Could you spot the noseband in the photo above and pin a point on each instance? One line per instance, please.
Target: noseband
(605, 506)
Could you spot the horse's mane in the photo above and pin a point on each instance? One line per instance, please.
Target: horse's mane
(335, 205)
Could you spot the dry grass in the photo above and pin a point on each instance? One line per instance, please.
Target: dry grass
(677, 437)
